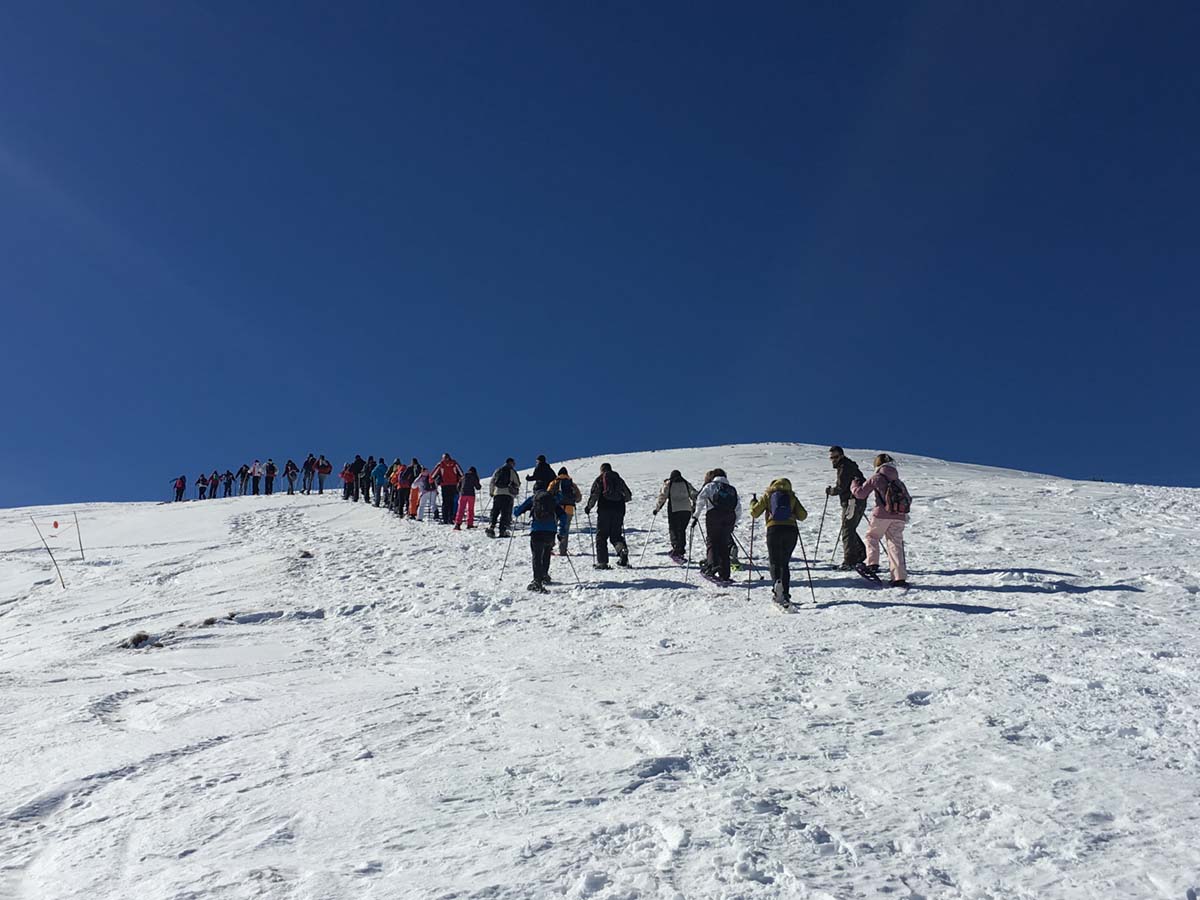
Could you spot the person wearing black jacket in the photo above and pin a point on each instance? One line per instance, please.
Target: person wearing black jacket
(270, 470)
(609, 494)
(542, 475)
(180, 487)
(243, 475)
(854, 550)
(505, 486)
(308, 469)
(356, 469)
(290, 471)
(227, 480)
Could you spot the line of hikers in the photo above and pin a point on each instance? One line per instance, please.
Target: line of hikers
(446, 493)
(250, 477)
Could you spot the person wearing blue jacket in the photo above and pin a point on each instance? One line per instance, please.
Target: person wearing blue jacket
(542, 531)
(379, 478)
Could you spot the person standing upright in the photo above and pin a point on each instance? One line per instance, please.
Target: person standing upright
(609, 493)
(679, 497)
(324, 468)
(566, 494)
(356, 469)
(243, 475)
(180, 487)
(448, 474)
(290, 471)
(541, 534)
(469, 485)
(542, 475)
(892, 504)
(853, 551)
(784, 513)
(379, 479)
(309, 470)
(201, 486)
(504, 488)
(718, 502)
(270, 470)
(255, 476)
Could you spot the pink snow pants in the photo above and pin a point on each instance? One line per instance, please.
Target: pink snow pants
(466, 505)
(890, 531)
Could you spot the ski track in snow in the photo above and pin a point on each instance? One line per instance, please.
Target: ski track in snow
(384, 720)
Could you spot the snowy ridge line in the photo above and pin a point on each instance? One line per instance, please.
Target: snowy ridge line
(1023, 723)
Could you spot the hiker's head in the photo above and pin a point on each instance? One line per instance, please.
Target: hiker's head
(605, 468)
(563, 473)
(882, 459)
(676, 475)
(835, 455)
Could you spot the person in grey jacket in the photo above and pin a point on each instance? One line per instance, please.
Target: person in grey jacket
(853, 549)
(505, 486)
(679, 497)
(721, 507)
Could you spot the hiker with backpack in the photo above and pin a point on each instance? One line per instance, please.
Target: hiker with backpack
(679, 497)
(227, 483)
(411, 474)
(324, 468)
(719, 503)
(308, 470)
(784, 514)
(378, 480)
(542, 475)
(447, 474)
(356, 468)
(290, 471)
(243, 475)
(545, 511)
(214, 483)
(566, 494)
(466, 499)
(427, 494)
(255, 476)
(347, 476)
(853, 550)
(180, 487)
(503, 489)
(892, 505)
(201, 486)
(609, 494)
(270, 470)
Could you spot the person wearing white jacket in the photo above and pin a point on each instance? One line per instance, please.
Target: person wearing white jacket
(721, 507)
(256, 472)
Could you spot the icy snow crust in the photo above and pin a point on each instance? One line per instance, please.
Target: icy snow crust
(384, 720)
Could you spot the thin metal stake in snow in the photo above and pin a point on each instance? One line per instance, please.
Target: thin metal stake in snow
(47, 546)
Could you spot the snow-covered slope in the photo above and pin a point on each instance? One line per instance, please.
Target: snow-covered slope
(385, 720)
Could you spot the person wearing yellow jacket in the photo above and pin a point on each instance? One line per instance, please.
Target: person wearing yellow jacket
(566, 493)
(783, 513)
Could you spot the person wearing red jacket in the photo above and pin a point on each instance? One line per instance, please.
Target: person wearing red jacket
(448, 474)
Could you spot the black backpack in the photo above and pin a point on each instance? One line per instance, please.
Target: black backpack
(725, 496)
(543, 507)
(566, 492)
(614, 488)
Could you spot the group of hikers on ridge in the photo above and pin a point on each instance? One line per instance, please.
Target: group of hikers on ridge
(249, 477)
(446, 493)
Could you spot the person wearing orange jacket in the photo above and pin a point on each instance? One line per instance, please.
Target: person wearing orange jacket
(448, 474)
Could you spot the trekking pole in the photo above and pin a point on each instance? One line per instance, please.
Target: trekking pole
(688, 568)
(750, 561)
(743, 549)
(804, 553)
(592, 540)
(578, 583)
(653, 520)
(821, 527)
(833, 558)
(506, 552)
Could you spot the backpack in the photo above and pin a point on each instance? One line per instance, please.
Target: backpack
(543, 507)
(506, 479)
(895, 498)
(566, 492)
(614, 488)
(779, 506)
(725, 496)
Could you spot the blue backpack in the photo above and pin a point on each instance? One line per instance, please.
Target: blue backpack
(779, 506)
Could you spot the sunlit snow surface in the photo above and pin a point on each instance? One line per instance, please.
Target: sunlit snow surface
(385, 720)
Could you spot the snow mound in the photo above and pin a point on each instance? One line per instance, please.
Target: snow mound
(382, 718)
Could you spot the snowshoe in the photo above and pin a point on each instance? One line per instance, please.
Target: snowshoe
(899, 584)
(536, 587)
(547, 580)
(871, 573)
(601, 566)
(490, 532)
(623, 557)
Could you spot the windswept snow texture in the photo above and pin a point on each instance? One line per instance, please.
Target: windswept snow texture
(385, 720)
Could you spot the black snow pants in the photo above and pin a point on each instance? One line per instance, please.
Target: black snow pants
(719, 524)
(781, 541)
(610, 528)
(449, 502)
(254, 479)
(678, 523)
(540, 545)
(270, 484)
(502, 507)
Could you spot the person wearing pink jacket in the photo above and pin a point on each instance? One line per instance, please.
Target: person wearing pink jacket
(887, 518)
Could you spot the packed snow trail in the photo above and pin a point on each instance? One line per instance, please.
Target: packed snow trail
(383, 720)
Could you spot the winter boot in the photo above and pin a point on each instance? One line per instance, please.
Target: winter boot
(536, 587)
(490, 531)
(562, 545)
(623, 556)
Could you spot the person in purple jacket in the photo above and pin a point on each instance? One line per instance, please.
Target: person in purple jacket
(892, 503)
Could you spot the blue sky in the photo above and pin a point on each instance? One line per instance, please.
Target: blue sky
(231, 231)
